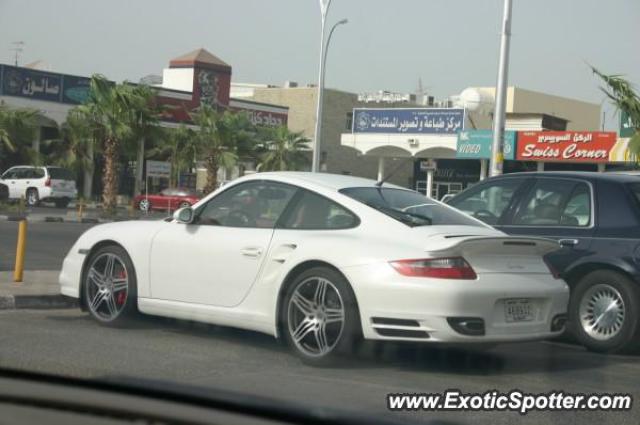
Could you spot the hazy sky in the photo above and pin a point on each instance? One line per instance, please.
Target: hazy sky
(388, 44)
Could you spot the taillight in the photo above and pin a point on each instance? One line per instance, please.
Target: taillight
(554, 272)
(441, 268)
(47, 182)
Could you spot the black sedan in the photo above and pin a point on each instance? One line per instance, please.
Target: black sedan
(596, 219)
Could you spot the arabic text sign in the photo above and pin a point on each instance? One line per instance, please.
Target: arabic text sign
(476, 144)
(417, 120)
(565, 146)
(31, 84)
(158, 169)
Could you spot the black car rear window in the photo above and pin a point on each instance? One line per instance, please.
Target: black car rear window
(60, 174)
(408, 207)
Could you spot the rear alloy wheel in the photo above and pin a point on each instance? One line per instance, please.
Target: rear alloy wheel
(144, 205)
(110, 286)
(604, 312)
(33, 198)
(320, 316)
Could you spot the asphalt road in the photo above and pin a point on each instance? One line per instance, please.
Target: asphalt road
(47, 244)
(70, 343)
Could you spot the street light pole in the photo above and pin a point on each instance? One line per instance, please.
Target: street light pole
(326, 49)
(497, 156)
(315, 164)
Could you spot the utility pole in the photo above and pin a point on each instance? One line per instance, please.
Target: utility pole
(497, 156)
(18, 47)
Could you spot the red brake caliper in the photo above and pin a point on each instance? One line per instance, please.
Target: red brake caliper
(122, 295)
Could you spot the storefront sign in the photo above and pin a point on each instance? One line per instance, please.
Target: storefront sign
(476, 144)
(565, 146)
(24, 82)
(416, 120)
(158, 169)
(75, 89)
(626, 127)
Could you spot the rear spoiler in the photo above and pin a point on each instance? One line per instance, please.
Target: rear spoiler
(513, 245)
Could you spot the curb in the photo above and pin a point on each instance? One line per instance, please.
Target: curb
(40, 302)
(58, 219)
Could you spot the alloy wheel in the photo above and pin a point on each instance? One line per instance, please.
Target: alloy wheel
(316, 316)
(144, 205)
(107, 286)
(602, 312)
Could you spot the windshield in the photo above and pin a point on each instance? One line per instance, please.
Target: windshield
(409, 207)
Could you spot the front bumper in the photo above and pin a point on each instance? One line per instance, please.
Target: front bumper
(421, 309)
(69, 277)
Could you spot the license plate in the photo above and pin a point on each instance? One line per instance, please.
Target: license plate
(520, 310)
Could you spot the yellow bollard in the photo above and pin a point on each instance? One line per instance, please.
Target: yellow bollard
(22, 244)
(80, 209)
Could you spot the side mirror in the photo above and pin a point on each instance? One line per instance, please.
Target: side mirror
(184, 215)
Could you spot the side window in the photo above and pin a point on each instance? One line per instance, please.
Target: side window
(253, 204)
(488, 202)
(21, 173)
(555, 202)
(577, 212)
(10, 174)
(315, 212)
(36, 173)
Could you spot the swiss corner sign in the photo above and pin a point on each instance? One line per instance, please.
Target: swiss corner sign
(565, 146)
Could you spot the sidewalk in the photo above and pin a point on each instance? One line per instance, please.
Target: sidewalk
(39, 289)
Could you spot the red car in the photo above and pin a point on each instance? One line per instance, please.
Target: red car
(167, 199)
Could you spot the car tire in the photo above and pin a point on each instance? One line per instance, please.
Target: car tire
(144, 205)
(184, 205)
(62, 203)
(110, 288)
(320, 325)
(32, 197)
(615, 331)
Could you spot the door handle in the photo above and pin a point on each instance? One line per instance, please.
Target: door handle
(568, 242)
(251, 252)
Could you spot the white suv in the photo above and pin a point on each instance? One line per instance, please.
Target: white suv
(37, 184)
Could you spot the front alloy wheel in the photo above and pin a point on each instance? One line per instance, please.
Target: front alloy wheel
(144, 205)
(320, 315)
(110, 287)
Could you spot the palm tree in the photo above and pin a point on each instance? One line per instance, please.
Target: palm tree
(144, 118)
(178, 147)
(283, 150)
(216, 141)
(17, 129)
(75, 147)
(626, 99)
(110, 106)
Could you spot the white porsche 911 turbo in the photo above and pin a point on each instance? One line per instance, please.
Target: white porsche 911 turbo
(321, 260)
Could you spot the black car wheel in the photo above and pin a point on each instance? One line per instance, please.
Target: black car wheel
(320, 316)
(110, 290)
(604, 310)
(32, 196)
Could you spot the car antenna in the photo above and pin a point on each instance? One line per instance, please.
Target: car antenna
(383, 180)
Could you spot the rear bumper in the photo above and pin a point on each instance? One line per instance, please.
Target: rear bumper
(429, 306)
(51, 193)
